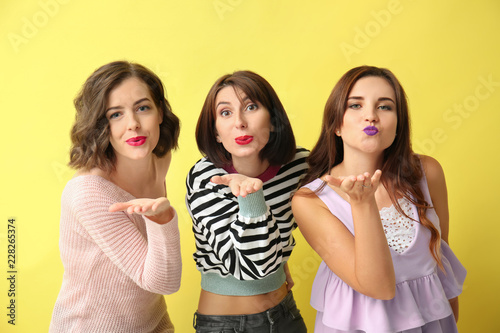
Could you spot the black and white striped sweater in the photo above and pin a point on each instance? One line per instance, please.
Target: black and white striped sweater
(230, 241)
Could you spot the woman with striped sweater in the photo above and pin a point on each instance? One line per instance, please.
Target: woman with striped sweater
(238, 196)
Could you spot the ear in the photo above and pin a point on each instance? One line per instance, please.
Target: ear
(218, 139)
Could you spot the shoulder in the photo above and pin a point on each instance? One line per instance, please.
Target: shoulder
(432, 169)
(298, 164)
(301, 153)
(306, 204)
(201, 173)
(435, 179)
(308, 193)
(86, 190)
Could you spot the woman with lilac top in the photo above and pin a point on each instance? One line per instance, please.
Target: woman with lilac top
(377, 214)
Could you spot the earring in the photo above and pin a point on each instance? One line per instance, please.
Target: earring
(338, 132)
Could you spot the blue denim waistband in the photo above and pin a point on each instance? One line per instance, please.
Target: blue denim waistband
(239, 321)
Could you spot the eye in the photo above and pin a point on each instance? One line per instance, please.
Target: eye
(252, 107)
(114, 115)
(143, 108)
(225, 113)
(354, 106)
(385, 107)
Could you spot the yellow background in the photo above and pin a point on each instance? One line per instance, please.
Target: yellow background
(446, 53)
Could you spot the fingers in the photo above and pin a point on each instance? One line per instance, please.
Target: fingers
(139, 208)
(333, 180)
(356, 185)
(348, 183)
(142, 206)
(160, 205)
(364, 180)
(240, 185)
(118, 207)
(220, 180)
(250, 185)
(376, 177)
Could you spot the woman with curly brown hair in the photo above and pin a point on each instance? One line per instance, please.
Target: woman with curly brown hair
(119, 238)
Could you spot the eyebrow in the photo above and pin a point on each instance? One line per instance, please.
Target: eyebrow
(121, 107)
(227, 103)
(380, 99)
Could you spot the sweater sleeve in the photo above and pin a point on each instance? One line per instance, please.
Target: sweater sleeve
(152, 260)
(237, 236)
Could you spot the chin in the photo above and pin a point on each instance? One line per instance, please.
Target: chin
(137, 156)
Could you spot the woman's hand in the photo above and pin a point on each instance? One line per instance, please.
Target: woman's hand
(356, 187)
(157, 210)
(239, 184)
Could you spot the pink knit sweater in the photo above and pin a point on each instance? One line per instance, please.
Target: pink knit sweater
(116, 266)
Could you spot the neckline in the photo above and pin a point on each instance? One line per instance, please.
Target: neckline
(268, 174)
(104, 180)
(417, 225)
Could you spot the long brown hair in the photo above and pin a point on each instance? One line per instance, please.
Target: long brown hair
(401, 170)
(90, 133)
(280, 149)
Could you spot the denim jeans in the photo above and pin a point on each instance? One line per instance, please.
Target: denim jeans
(283, 318)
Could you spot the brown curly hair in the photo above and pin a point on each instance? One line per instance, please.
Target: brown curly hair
(90, 133)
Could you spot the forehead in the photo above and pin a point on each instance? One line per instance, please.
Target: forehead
(373, 86)
(131, 88)
(230, 94)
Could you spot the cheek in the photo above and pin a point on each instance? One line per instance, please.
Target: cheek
(218, 130)
(265, 129)
(113, 132)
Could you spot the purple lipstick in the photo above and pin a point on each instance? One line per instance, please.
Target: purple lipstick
(370, 130)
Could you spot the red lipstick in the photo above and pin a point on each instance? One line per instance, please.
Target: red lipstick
(244, 140)
(136, 141)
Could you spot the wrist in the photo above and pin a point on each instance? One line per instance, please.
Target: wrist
(163, 217)
(363, 202)
(253, 205)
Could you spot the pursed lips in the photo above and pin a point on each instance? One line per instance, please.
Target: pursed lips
(243, 140)
(136, 141)
(370, 130)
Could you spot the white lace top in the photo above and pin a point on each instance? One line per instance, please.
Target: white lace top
(399, 230)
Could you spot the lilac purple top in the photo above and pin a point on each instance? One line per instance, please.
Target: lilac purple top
(422, 289)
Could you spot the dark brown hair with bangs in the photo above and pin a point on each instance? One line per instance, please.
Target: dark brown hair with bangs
(90, 133)
(401, 170)
(280, 148)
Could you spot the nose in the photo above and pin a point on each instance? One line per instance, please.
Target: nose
(240, 120)
(133, 121)
(371, 114)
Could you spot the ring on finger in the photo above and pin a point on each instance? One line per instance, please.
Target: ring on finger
(363, 185)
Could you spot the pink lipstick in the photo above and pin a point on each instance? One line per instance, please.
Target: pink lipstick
(244, 140)
(370, 130)
(136, 141)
